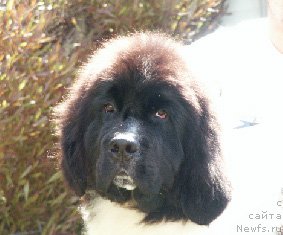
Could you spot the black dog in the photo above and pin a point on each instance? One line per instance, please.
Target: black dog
(137, 130)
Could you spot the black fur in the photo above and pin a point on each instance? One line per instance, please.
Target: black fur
(175, 160)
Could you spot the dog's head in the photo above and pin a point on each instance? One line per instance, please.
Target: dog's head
(137, 127)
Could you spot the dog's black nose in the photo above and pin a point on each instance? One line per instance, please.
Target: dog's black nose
(123, 149)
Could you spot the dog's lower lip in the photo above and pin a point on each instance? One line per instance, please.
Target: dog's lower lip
(123, 180)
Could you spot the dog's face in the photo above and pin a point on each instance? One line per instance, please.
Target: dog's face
(137, 128)
(135, 138)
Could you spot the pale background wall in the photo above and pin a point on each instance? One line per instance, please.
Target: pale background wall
(244, 10)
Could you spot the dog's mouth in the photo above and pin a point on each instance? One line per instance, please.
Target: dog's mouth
(123, 180)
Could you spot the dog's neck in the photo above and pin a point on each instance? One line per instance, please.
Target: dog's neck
(102, 216)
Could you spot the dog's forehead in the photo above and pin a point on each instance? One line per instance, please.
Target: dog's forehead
(141, 93)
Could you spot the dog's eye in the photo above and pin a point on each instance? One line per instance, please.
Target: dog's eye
(161, 113)
(109, 108)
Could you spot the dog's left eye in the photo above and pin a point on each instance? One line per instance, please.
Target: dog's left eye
(161, 113)
(109, 108)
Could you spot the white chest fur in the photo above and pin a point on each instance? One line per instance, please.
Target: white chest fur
(107, 218)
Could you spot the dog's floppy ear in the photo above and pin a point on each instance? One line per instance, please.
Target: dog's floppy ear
(70, 131)
(73, 162)
(204, 192)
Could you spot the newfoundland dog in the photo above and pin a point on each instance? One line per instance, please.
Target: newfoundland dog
(139, 141)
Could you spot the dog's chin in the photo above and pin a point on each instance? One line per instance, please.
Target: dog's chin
(123, 180)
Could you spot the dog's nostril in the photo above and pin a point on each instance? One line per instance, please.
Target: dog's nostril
(131, 148)
(114, 148)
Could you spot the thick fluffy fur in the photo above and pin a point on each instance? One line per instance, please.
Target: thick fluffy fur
(136, 112)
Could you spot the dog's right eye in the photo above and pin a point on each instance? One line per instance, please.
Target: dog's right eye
(109, 108)
(161, 113)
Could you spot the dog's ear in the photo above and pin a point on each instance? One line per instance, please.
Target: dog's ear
(70, 130)
(204, 191)
(73, 159)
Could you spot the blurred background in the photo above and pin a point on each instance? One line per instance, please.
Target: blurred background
(239, 10)
(42, 44)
